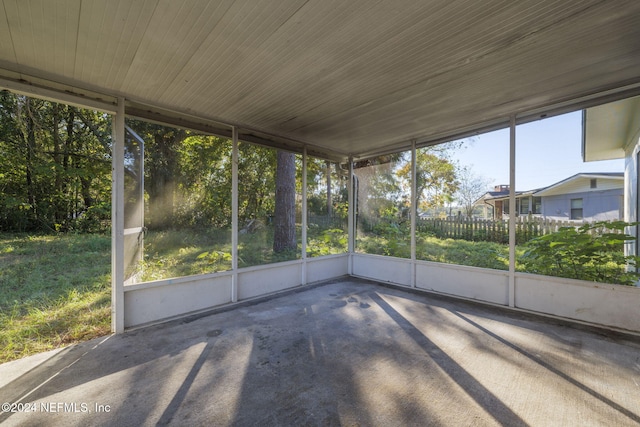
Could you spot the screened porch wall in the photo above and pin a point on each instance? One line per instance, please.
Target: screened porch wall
(607, 305)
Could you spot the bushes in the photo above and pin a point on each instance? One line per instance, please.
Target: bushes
(96, 219)
(463, 252)
(326, 242)
(591, 252)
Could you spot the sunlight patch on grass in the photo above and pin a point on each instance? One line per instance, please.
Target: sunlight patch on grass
(178, 253)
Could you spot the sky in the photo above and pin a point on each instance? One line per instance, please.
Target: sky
(547, 151)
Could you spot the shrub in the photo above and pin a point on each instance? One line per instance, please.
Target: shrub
(331, 241)
(592, 252)
(96, 219)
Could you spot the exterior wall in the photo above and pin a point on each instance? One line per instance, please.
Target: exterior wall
(383, 268)
(603, 304)
(498, 211)
(609, 305)
(469, 282)
(263, 280)
(597, 303)
(327, 267)
(597, 205)
(151, 302)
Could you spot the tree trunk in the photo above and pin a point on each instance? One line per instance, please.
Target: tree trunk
(31, 152)
(58, 182)
(329, 196)
(285, 215)
(68, 162)
(163, 170)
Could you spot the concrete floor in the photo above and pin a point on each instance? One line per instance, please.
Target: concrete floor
(345, 353)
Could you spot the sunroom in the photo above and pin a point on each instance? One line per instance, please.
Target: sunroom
(351, 93)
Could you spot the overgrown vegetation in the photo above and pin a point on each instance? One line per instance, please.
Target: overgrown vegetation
(463, 252)
(177, 253)
(590, 252)
(55, 291)
(56, 287)
(55, 173)
(394, 241)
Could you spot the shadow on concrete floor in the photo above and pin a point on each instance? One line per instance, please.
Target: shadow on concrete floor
(345, 353)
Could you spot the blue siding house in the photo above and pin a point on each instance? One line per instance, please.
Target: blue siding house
(581, 197)
(584, 196)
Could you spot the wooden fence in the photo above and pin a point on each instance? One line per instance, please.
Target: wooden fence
(473, 229)
(327, 221)
(491, 230)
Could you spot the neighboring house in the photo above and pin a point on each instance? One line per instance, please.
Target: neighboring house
(581, 197)
(492, 202)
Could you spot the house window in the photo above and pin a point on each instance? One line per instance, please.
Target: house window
(537, 205)
(576, 209)
(594, 183)
(524, 206)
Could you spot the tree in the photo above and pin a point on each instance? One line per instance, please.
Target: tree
(471, 187)
(379, 194)
(204, 184)
(56, 164)
(162, 144)
(256, 170)
(436, 179)
(284, 237)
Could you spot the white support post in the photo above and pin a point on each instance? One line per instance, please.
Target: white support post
(141, 201)
(512, 211)
(304, 216)
(117, 221)
(413, 209)
(351, 218)
(234, 215)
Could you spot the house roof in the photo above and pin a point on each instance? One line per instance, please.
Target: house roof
(608, 129)
(341, 78)
(492, 196)
(571, 184)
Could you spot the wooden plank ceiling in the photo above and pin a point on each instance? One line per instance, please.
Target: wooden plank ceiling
(348, 77)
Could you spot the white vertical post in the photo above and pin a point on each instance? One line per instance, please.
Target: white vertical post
(117, 221)
(512, 211)
(234, 215)
(413, 209)
(304, 216)
(141, 203)
(351, 218)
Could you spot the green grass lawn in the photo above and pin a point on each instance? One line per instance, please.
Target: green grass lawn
(176, 253)
(54, 291)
